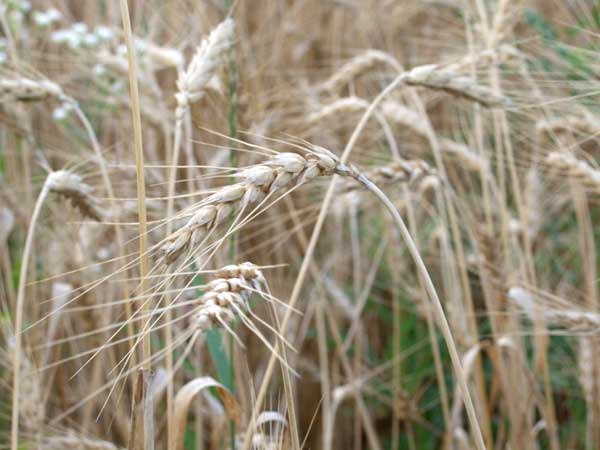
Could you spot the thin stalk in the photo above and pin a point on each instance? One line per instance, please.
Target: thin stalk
(139, 166)
(14, 435)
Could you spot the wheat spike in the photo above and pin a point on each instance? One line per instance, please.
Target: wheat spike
(554, 312)
(206, 60)
(586, 124)
(436, 77)
(72, 187)
(398, 113)
(73, 441)
(355, 67)
(284, 170)
(341, 106)
(578, 169)
(26, 89)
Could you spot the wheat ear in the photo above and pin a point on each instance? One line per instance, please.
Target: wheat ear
(581, 170)
(355, 67)
(72, 187)
(437, 77)
(26, 89)
(73, 441)
(259, 181)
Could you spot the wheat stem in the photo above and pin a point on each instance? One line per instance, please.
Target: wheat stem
(139, 166)
(14, 436)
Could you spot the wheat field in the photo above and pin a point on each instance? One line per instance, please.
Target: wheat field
(299, 224)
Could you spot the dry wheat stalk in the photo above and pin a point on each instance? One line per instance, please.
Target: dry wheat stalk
(581, 170)
(355, 67)
(282, 171)
(208, 56)
(26, 89)
(72, 187)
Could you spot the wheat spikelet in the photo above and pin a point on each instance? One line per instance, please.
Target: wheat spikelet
(581, 170)
(436, 77)
(26, 89)
(71, 186)
(228, 295)
(355, 67)
(208, 56)
(284, 170)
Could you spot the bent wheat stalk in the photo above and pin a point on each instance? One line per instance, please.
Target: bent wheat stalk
(14, 435)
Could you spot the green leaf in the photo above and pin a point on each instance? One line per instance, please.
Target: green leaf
(216, 347)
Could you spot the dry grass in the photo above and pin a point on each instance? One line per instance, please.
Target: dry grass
(414, 182)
